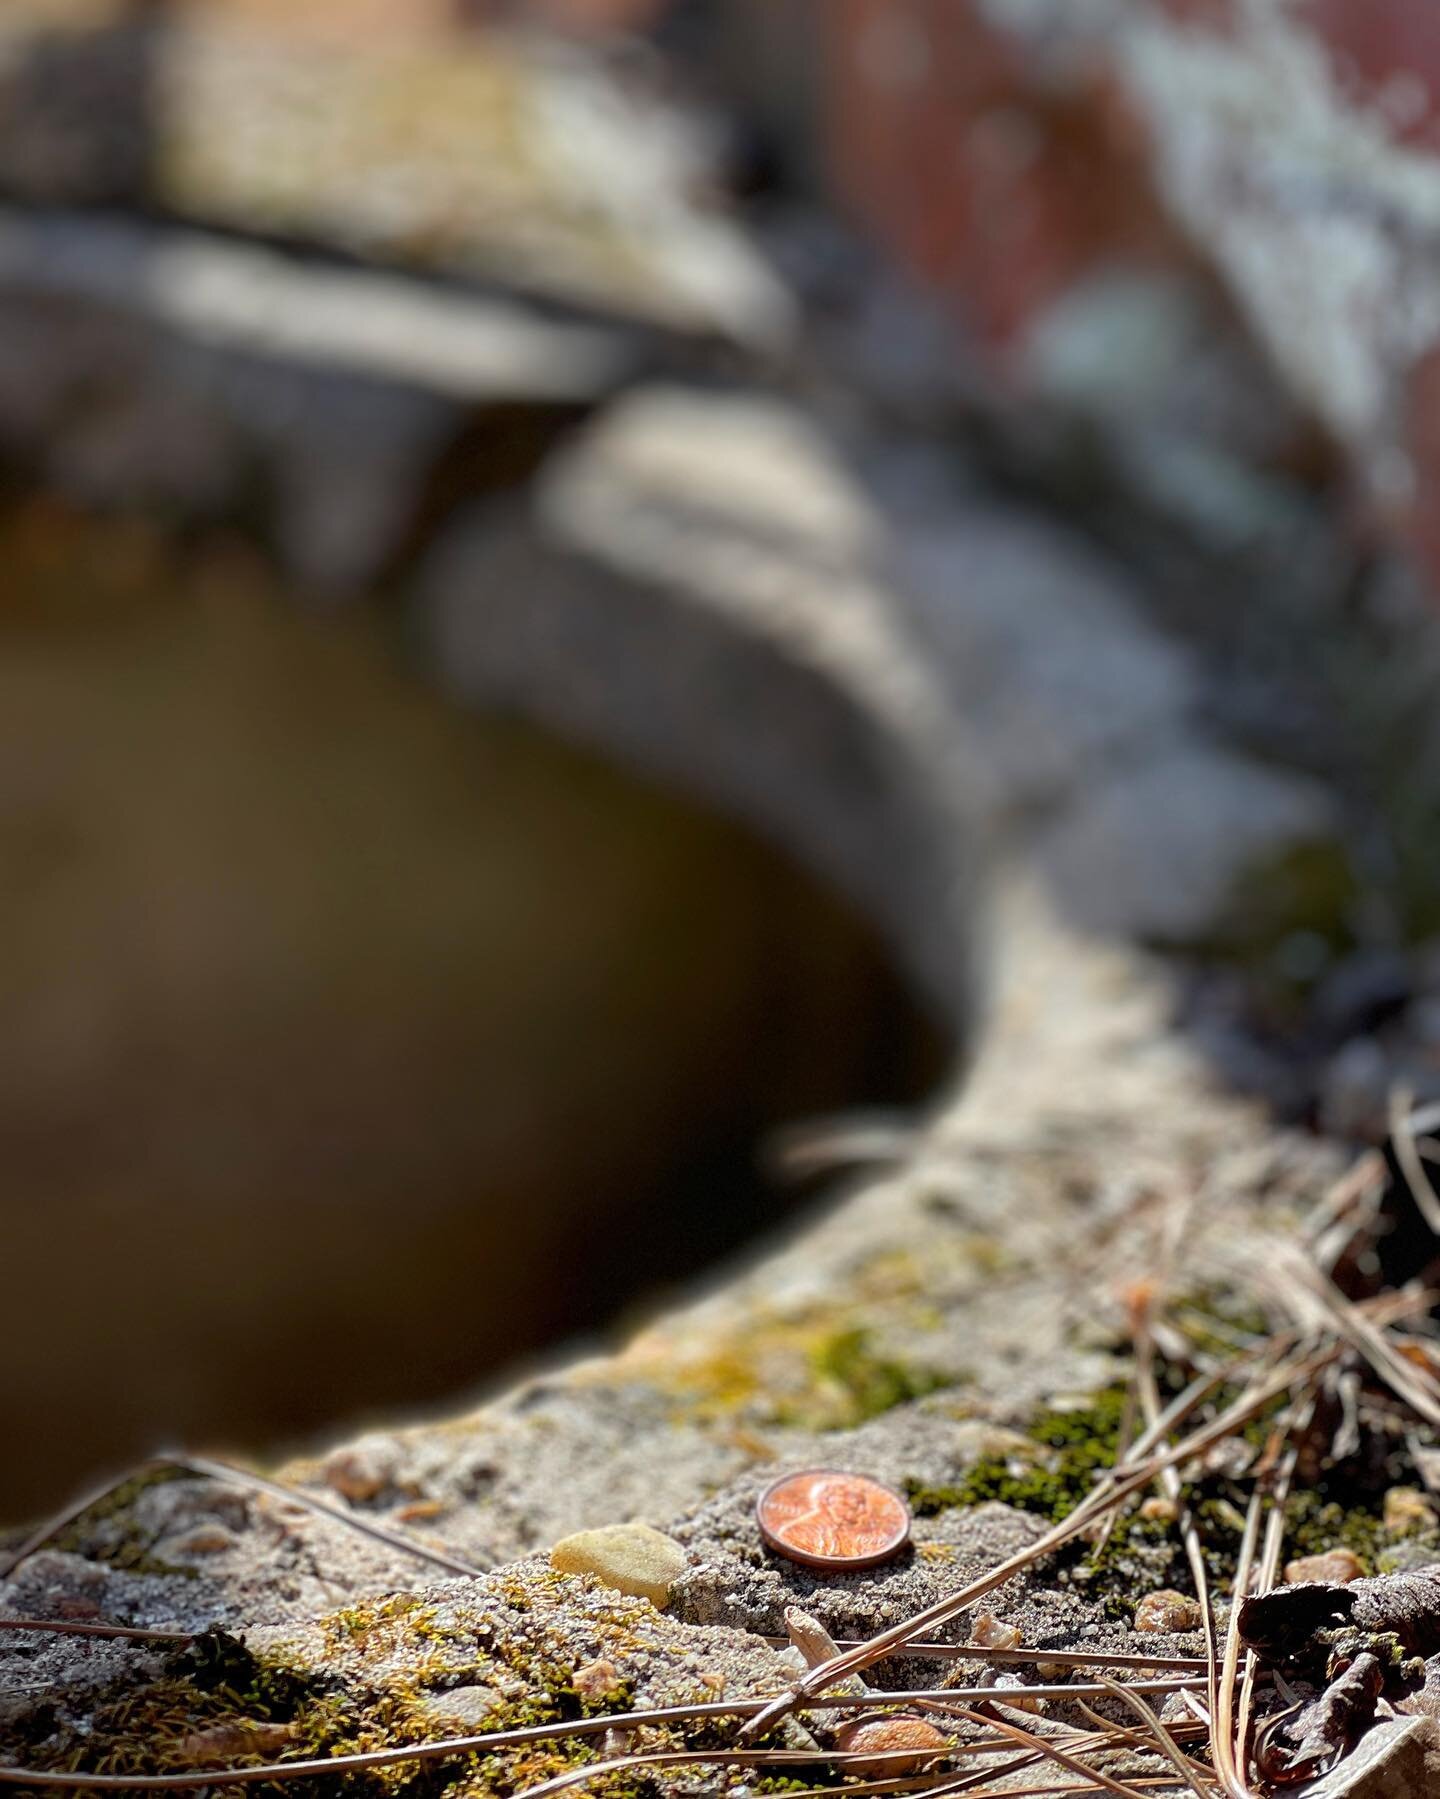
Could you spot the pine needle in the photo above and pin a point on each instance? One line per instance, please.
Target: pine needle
(1183, 1764)
(1052, 1752)
(1023, 1657)
(1405, 1125)
(1227, 1753)
(67, 1627)
(367, 1527)
(75, 1508)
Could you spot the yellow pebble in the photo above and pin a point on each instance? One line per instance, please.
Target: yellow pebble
(1407, 1509)
(632, 1558)
(1337, 1567)
(1166, 1611)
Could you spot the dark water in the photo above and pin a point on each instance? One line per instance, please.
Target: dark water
(349, 1047)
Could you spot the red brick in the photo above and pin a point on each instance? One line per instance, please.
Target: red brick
(990, 185)
(1387, 48)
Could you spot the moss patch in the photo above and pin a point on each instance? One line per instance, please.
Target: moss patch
(794, 1371)
(107, 1531)
(867, 1381)
(1085, 1441)
(219, 1681)
(142, 1730)
(1141, 1554)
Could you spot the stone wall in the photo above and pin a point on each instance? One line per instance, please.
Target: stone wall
(1025, 160)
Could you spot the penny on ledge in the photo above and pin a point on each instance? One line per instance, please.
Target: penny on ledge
(824, 1518)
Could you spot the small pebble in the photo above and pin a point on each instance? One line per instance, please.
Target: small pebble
(1338, 1567)
(1176, 1710)
(596, 1680)
(52, 1579)
(882, 1737)
(361, 1472)
(420, 1511)
(1407, 1510)
(205, 1539)
(793, 1735)
(175, 1507)
(1165, 1611)
(632, 1558)
(975, 1439)
(989, 1633)
(75, 1605)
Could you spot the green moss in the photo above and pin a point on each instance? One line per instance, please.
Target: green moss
(107, 1531)
(797, 1371)
(1308, 887)
(1138, 1554)
(1085, 1441)
(216, 1680)
(356, 1623)
(1141, 1554)
(356, 1702)
(369, 1685)
(870, 1383)
(1314, 1525)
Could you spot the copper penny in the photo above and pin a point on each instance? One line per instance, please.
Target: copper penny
(826, 1519)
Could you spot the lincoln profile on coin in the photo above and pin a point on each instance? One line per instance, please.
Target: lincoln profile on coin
(828, 1519)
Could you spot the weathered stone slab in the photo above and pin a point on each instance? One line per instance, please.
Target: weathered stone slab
(487, 156)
